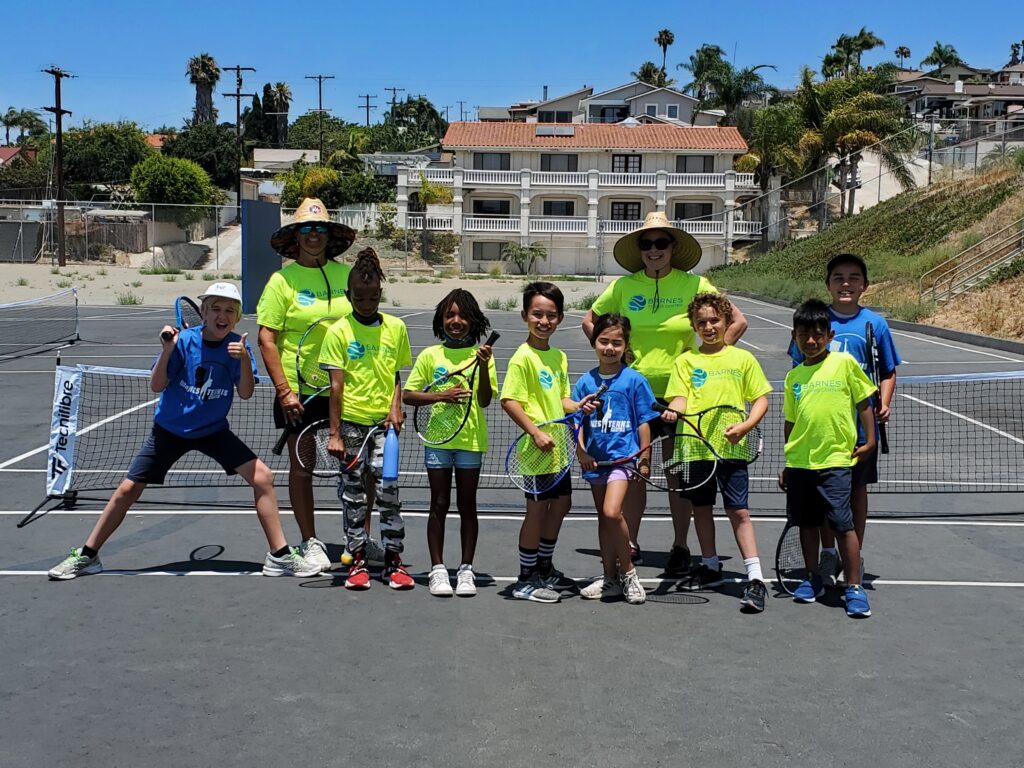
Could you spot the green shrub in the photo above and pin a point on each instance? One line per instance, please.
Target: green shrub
(584, 302)
(158, 269)
(136, 284)
(404, 240)
(180, 189)
(128, 298)
(170, 278)
(22, 281)
(63, 283)
(189, 276)
(55, 270)
(209, 276)
(493, 303)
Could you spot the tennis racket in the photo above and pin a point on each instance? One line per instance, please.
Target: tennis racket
(439, 422)
(535, 471)
(789, 560)
(712, 427)
(869, 332)
(311, 448)
(311, 377)
(186, 315)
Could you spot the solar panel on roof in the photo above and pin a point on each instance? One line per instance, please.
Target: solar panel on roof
(545, 130)
(565, 130)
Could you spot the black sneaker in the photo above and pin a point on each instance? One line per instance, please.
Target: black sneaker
(753, 597)
(703, 577)
(678, 562)
(556, 580)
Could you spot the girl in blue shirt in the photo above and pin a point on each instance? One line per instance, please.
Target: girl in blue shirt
(618, 428)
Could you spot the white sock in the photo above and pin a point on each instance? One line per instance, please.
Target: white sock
(829, 551)
(753, 566)
(710, 562)
(439, 567)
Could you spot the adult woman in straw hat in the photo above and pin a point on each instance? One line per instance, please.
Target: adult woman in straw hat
(311, 287)
(654, 296)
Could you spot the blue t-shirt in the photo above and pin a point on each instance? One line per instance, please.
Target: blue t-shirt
(611, 432)
(851, 337)
(201, 380)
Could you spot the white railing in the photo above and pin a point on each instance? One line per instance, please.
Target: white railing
(745, 180)
(435, 175)
(705, 180)
(436, 223)
(627, 180)
(746, 227)
(491, 177)
(700, 226)
(491, 224)
(613, 227)
(560, 179)
(576, 225)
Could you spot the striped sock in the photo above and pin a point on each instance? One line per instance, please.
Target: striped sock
(545, 553)
(527, 562)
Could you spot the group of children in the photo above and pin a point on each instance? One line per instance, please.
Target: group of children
(830, 455)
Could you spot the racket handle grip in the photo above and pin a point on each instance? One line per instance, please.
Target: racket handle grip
(278, 448)
(166, 335)
(491, 339)
(883, 438)
(390, 469)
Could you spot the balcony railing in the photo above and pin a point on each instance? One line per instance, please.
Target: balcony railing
(437, 223)
(627, 180)
(491, 177)
(577, 225)
(446, 176)
(746, 227)
(435, 175)
(491, 224)
(558, 179)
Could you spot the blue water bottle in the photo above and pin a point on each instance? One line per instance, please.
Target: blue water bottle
(391, 456)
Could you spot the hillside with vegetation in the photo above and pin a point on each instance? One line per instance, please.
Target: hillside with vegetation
(899, 239)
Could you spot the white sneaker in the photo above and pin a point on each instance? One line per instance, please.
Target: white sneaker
(602, 587)
(465, 581)
(74, 565)
(633, 589)
(314, 552)
(292, 564)
(439, 584)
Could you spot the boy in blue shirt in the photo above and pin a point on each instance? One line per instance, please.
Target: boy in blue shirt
(846, 277)
(195, 374)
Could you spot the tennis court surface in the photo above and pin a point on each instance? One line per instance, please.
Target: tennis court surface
(178, 653)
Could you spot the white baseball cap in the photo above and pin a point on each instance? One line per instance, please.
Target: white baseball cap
(223, 291)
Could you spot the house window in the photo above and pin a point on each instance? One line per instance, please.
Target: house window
(559, 208)
(487, 251)
(672, 111)
(693, 211)
(552, 116)
(695, 164)
(559, 162)
(651, 109)
(625, 163)
(492, 161)
(491, 207)
(608, 114)
(625, 211)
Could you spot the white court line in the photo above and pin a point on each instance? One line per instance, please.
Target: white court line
(752, 346)
(769, 320)
(962, 417)
(572, 517)
(514, 579)
(974, 350)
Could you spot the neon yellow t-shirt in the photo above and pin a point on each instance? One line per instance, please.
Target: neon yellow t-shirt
(659, 335)
(820, 401)
(438, 360)
(294, 298)
(370, 356)
(538, 380)
(731, 376)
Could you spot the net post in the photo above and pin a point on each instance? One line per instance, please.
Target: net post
(78, 335)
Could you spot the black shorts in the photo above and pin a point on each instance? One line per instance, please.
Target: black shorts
(316, 409)
(658, 427)
(865, 471)
(162, 449)
(562, 488)
(732, 481)
(816, 495)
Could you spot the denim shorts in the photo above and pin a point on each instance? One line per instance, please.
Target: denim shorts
(446, 458)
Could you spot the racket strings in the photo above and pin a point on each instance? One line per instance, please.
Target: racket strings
(440, 422)
(536, 470)
(713, 425)
(188, 314)
(308, 357)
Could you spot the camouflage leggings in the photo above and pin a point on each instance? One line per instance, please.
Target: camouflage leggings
(352, 493)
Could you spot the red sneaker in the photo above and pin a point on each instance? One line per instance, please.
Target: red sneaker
(395, 575)
(358, 575)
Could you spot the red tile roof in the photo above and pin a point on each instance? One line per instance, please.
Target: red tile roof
(592, 136)
(8, 153)
(156, 140)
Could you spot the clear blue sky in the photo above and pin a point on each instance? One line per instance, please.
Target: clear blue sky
(130, 57)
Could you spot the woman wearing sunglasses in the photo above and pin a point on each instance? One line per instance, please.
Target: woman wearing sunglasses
(310, 287)
(654, 296)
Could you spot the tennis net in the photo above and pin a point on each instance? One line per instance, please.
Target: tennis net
(948, 434)
(26, 325)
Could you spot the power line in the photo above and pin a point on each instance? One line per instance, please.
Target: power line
(462, 112)
(320, 108)
(366, 98)
(446, 108)
(394, 99)
(58, 75)
(238, 96)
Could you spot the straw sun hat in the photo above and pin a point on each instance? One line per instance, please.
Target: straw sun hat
(312, 211)
(685, 252)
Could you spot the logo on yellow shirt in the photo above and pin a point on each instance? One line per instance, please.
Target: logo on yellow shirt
(546, 379)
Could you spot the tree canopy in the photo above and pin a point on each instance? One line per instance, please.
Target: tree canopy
(212, 147)
(103, 153)
(176, 184)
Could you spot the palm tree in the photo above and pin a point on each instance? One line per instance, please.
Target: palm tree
(943, 55)
(864, 41)
(773, 146)
(282, 98)
(1014, 55)
(650, 73)
(707, 59)
(30, 121)
(664, 39)
(833, 64)
(10, 119)
(845, 55)
(203, 73)
(731, 87)
(902, 53)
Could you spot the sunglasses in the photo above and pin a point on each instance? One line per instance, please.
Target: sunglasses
(661, 244)
(320, 229)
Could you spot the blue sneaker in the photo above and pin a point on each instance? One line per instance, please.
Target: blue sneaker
(857, 603)
(810, 589)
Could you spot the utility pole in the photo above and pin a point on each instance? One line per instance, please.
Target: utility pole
(394, 100)
(320, 106)
(366, 98)
(462, 112)
(58, 75)
(238, 96)
(446, 108)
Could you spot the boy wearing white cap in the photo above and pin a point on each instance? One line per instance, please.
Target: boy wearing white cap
(196, 374)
